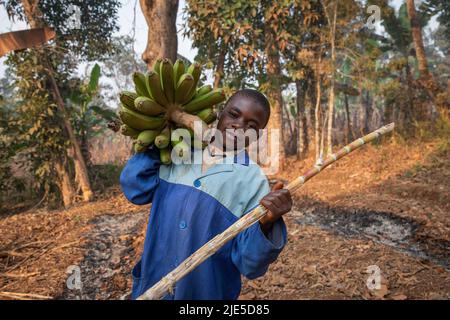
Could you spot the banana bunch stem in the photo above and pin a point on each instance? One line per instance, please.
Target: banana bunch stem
(177, 115)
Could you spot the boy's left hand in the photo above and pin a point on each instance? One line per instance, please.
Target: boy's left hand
(278, 202)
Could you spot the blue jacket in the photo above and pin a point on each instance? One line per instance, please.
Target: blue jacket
(188, 209)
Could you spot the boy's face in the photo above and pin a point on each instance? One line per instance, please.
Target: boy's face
(241, 113)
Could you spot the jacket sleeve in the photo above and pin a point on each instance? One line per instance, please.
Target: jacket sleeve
(252, 251)
(140, 177)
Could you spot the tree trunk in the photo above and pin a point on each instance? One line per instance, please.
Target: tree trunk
(349, 134)
(274, 91)
(362, 108)
(416, 31)
(410, 112)
(34, 17)
(80, 165)
(310, 110)
(161, 16)
(84, 145)
(331, 93)
(218, 75)
(317, 112)
(437, 95)
(368, 110)
(65, 183)
(302, 141)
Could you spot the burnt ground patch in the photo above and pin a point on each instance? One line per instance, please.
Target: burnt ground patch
(403, 234)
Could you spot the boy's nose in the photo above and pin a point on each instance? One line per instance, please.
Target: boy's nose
(237, 125)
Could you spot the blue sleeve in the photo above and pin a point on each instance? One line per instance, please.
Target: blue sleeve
(252, 251)
(140, 177)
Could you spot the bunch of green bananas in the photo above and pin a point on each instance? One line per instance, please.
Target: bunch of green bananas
(169, 89)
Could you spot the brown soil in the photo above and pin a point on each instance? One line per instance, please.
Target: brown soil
(384, 205)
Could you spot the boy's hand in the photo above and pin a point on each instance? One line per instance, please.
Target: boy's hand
(278, 202)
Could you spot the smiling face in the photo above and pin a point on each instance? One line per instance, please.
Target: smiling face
(242, 113)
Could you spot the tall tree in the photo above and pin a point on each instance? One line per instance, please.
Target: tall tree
(274, 42)
(36, 20)
(161, 17)
(427, 78)
(331, 17)
(304, 27)
(54, 62)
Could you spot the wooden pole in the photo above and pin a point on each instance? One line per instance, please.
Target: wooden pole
(165, 285)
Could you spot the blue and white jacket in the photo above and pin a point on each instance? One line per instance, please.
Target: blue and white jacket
(188, 209)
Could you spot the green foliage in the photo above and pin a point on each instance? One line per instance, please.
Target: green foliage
(32, 137)
(89, 114)
(93, 80)
(31, 125)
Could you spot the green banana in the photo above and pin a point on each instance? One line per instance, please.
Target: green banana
(127, 98)
(195, 70)
(139, 121)
(205, 101)
(191, 132)
(128, 131)
(139, 148)
(198, 144)
(167, 84)
(181, 149)
(163, 139)
(184, 87)
(148, 107)
(147, 137)
(203, 90)
(207, 115)
(156, 65)
(165, 156)
(174, 142)
(154, 87)
(178, 71)
(140, 84)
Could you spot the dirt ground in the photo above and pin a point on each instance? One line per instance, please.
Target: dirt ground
(384, 208)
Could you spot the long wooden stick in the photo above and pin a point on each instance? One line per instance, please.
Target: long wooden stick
(165, 285)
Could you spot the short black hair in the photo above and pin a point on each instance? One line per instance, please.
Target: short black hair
(257, 96)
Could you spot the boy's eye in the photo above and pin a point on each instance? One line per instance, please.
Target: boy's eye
(233, 114)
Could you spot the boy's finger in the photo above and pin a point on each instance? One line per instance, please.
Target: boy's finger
(277, 186)
(268, 204)
(285, 195)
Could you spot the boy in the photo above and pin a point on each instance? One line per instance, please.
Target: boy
(191, 203)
